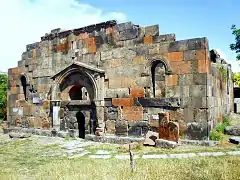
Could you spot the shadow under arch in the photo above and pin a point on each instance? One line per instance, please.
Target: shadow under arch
(77, 77)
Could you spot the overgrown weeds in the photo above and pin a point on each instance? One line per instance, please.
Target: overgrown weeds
(217, 134)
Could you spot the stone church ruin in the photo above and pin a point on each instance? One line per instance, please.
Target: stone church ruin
(115, 79)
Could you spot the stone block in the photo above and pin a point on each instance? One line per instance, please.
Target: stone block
(137, 128)
(199, 102)
(113, 63)
(172, 80)
(132, 113)
(122, 102)
(14, 90)
(204, 66)
(152, 30)
(176, 115)
(178, 46)
(121, 128)
(198, 91)
(173, 129)
(200, 115)
(140, 50)
(159, 102)
(188, 114)
(172, 91)
(110, 126)
(128, 34)
(139, 60)
(175, 56)
(164, 38)
(163, 125)
(115, 82)
(197, 131)
(233, 130)
(82, 36)
(189, 55)
(137, 92)
(128, 82)
(106, 55)
(150, 138)
(123, 26)
(180, 67)
(197, 43)
(200, 79)
(148, 40)
(165, 144)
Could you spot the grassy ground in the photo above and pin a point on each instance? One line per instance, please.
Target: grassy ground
(22, 159)
(140, 149)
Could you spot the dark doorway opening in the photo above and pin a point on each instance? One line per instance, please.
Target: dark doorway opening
(24, 86)
(81, 124)
(75, 92)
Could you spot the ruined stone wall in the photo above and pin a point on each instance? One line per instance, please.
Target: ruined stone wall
(144, 71)
(220, 95)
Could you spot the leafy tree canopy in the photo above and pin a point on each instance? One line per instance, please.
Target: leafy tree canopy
(3, 95)
(236, 46)
(236, 79)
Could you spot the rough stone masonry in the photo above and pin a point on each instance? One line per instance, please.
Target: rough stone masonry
(111, 78)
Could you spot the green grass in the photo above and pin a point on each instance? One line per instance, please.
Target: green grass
(21, 159)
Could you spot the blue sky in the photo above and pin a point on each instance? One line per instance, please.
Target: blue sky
(25, 21)
(186, 18)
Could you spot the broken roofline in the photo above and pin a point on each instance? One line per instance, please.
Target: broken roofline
(89, 29)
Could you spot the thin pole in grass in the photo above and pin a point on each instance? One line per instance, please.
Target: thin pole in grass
(131, 157)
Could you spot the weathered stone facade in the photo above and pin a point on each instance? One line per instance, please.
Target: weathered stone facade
(114, 78)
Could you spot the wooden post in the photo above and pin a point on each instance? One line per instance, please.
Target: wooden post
(131, 157)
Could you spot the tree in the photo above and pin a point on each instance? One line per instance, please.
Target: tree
(236, 79)
(236, 46)
(3, 96)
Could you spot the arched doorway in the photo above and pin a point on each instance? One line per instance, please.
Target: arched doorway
(81, 124)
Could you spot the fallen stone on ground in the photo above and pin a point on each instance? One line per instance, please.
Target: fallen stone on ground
(233, 130)
(234, 140)
(150, 138)
(19, 135)
(165, 143)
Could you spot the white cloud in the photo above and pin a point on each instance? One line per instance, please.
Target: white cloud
(25, 21)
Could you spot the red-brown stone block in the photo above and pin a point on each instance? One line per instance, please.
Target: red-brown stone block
(163, 125)
(134, 113)
(173, 131)
(82, 36)
(175, 56)
(181, 67)
(122, 102)
(34, 54)
(168, 130)
(15, 70)
(203, 66)
(13, 90)
(201, 54)
(171, 80)
(137, 92)
(148, 40)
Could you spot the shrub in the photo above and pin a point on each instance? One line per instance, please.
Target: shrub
(217, 134)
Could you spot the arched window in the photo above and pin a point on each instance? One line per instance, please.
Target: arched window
(158, 70)
(24, 86)
(75, 92)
